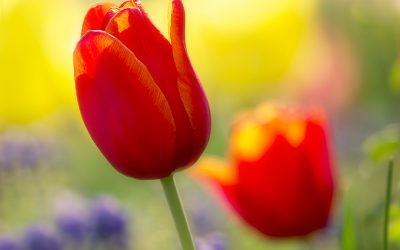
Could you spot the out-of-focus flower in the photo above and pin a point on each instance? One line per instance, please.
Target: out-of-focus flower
(8, 154)
(72, 221)
(109, 223)
(280, 180)
(22, 150)
(19, 150)
(136, 89)
(217, 241)
(202, 217)
(9, 243)
(201, 245)
(73, 227)
(206, 227)
(102, 223)
(39, 237)
(211, 242)
(203, 223)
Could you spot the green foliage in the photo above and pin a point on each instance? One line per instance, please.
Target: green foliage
(384, 144)
(394, 225)
(395, 77)
(348, 238)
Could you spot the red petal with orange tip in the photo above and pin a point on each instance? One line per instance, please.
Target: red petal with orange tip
(128, 4)
(287, 192)
(177, 37)
(124, 110)
(94, 17)
(133, 28)
(190, 89)
(284, 186)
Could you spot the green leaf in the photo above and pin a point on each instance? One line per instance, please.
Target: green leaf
(383, 144)
(394, 225)
(348, 239)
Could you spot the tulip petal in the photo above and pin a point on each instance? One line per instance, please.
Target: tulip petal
(94, 17)
(217, 170)
(250, 140)
(128, 4)
(189, 87)
(198, 112)
(177, 37)
(134, 29)
(319, 159)
(274, 176)
(316, 142)
(124, 110)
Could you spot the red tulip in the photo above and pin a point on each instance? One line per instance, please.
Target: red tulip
(279, 178)
(138, 94)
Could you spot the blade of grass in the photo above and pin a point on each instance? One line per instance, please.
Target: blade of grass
(348, 239)
(389, 181)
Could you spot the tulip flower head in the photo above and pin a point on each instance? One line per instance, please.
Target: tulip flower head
(138, 94)
(279, 179)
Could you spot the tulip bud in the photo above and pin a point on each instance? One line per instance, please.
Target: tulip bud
(280, 179)
(138, 94)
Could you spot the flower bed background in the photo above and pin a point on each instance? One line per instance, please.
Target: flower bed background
(340, 55)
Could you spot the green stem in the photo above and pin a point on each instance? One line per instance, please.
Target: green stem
(175, 205)
(387, 204)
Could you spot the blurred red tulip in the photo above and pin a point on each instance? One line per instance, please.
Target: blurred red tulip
(280, 178)
(138, 94)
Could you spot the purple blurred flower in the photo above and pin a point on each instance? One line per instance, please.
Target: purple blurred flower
(202, 245)
(109, 223)
(202, 221)
(204, 216)
(39, 237)
(9, 243)
(18, 150)
(214, 241)
(8, 153)
(29, 153)
(23, 150)
(71, 217)
(73, 227)
(217, 241)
